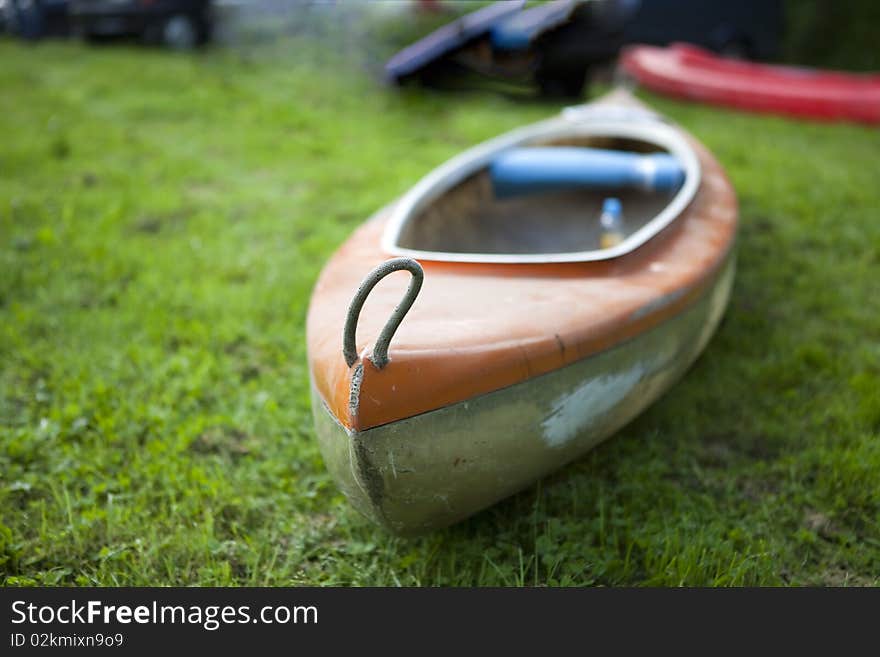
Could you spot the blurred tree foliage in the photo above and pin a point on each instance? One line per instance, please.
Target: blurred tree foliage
(842, 34)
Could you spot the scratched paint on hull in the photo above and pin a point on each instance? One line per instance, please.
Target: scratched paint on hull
(573, 412)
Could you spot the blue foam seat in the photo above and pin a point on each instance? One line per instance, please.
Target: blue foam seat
(538, 169)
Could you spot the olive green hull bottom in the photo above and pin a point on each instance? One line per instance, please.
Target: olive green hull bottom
(437, 468)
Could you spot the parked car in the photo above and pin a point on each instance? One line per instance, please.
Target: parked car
(35, 19)
(180, 24)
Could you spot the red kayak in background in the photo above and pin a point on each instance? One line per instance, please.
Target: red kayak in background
(689, 72)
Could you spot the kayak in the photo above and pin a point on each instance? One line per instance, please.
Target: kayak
(685, 71)
(520, 31)
(448, 39)
(517, 306)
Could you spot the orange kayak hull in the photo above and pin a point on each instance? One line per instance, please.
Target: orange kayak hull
(506, 332)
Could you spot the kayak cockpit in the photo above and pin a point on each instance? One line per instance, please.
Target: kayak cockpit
(544, 196)
(479, 216)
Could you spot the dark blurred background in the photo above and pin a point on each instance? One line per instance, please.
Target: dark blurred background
(825, 33)
(833, 34)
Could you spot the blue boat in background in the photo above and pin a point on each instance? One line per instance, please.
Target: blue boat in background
(556, 45)
(449, 39)
(520, 31)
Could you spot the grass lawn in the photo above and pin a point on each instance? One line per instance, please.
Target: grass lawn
(162, 221)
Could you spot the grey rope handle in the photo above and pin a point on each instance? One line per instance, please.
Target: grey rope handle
(380, 350)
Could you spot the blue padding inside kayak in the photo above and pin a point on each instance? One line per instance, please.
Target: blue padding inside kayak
(449, 38)
(519, 31)
(529, 170)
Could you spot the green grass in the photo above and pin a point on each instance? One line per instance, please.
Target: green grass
(162, 221)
